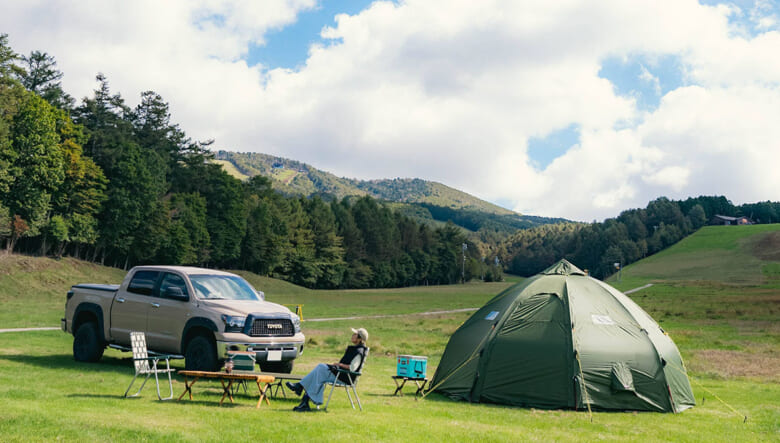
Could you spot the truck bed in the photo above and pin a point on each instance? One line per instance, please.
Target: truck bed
(98, 287)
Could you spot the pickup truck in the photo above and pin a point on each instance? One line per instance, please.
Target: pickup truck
(201, 314)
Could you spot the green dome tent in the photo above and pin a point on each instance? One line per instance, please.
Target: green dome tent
(533, 344)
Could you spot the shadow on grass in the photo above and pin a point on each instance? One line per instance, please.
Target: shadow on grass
(103, 396)
(65, 361)
(153, 394)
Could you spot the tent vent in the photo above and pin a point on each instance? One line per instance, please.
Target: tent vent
(622, 380)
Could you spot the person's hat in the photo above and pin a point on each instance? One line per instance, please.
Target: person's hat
(362, 333)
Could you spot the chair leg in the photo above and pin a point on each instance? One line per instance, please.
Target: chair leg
(139, 389)
(131, 385)
(157, 380)
(332, 387)
(346, 388)
(354, 391)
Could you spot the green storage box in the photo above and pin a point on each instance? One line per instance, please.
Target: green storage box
(242, 361)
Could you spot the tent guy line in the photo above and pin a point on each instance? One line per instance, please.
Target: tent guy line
(357, 317)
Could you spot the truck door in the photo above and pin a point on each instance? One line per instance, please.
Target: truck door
(128, 312)
(168, 314)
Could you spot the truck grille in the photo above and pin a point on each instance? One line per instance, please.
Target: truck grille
(265, 327)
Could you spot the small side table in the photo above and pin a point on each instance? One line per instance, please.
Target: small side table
(400, 381)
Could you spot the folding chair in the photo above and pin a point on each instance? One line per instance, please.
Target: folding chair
(352, 379)
(141, 360)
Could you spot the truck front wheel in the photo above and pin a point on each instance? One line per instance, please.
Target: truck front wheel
(86, 343)
(201, 355)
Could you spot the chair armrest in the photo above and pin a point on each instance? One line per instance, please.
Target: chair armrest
(165, 356)
(346, 371)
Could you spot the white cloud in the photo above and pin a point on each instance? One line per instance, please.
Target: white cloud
(449, 91)
(673, 177)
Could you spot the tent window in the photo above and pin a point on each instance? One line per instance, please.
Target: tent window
(492, 315)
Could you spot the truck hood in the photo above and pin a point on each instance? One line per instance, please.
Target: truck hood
(245, 307)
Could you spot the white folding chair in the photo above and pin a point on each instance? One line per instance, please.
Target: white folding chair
(142, 360)
(350, 383)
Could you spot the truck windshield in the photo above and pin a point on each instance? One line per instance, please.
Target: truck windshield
(222, 287)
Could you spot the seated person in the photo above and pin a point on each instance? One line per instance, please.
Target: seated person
(314, 382)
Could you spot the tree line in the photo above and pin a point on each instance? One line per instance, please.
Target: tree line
(120, 185)
(634, 234)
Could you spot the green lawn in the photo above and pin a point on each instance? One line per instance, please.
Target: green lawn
(45, 395)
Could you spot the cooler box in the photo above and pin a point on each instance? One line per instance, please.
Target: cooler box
(242, 361)
(413, 366)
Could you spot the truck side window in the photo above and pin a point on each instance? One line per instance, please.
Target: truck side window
(172, 281)
(143, 282)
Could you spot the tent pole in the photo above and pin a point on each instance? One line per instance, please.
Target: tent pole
(583, 385)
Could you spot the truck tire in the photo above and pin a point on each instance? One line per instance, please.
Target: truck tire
(280, 367)
(87, 345)
(201, 355)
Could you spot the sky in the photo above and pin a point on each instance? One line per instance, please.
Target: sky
(576, 109)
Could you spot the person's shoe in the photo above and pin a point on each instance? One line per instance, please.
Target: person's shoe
(302, 408)
(295, 387)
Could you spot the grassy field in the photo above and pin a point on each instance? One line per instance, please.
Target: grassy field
(725, 254)
(727, 332)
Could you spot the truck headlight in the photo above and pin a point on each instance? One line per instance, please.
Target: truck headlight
(233, 323)
(296, 322)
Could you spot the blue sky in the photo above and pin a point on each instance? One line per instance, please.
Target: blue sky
(288, 47)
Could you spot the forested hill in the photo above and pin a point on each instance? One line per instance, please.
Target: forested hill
(422, 200)
(119, 185)
(633, 235)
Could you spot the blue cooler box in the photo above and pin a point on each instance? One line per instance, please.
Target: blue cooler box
(413, 366)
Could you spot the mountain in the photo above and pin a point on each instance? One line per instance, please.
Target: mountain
(423, 200)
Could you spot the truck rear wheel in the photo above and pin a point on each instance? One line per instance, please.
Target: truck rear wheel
(280, 367)
(86, 343)
(201, 355)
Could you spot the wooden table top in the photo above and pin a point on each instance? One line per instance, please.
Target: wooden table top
(282, 375)
(264, 378)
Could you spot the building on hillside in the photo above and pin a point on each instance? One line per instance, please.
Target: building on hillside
(726, 220)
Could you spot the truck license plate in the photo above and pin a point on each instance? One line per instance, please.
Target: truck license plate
(274, 355)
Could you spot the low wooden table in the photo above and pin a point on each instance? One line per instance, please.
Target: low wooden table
(420, 382)
(279, 379)
(262, 380)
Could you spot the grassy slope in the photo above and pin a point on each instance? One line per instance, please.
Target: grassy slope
(714, 253)
(231, 169)
(32, 290)
(85, 402)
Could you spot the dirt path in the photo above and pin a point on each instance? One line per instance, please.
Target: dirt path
(28, 329)
(360, 317)
(631, 291)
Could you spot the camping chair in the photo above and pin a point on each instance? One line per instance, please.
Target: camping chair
(352, 379)
(141, 360)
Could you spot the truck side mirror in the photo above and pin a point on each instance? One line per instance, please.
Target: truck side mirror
(175, 293)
